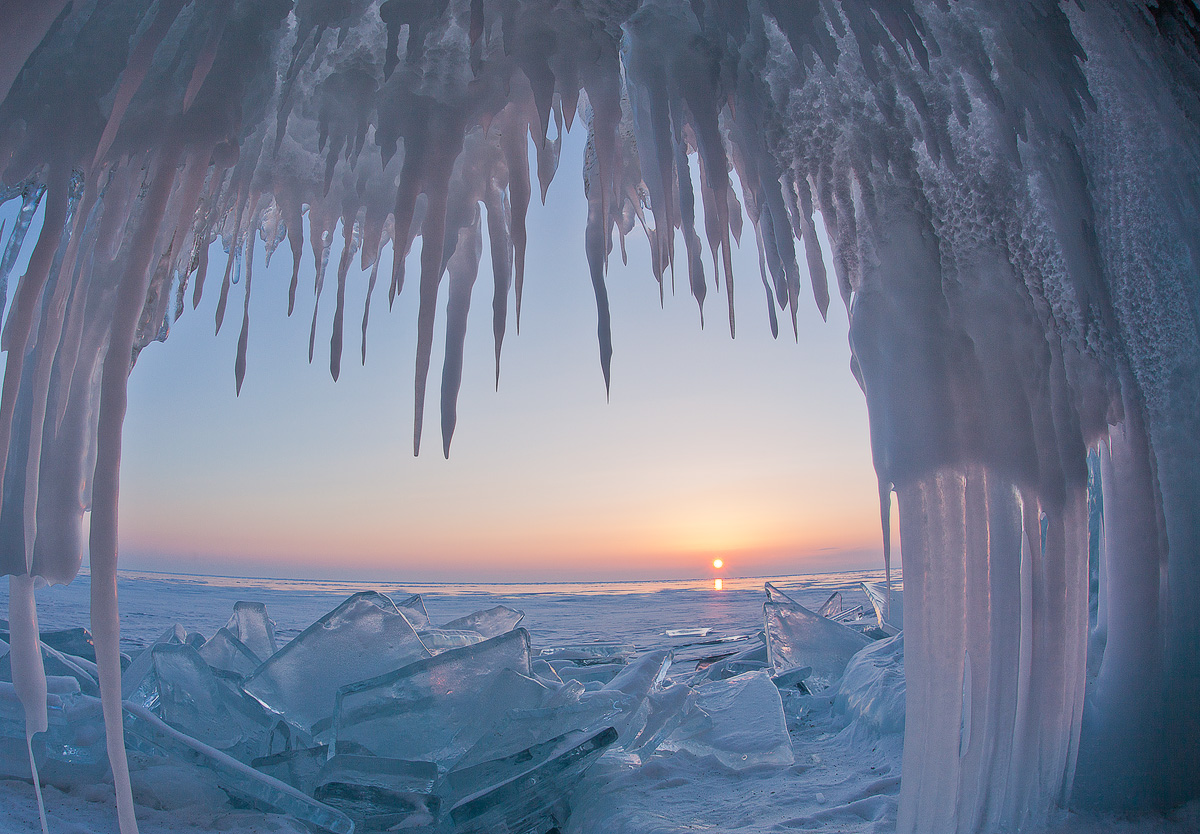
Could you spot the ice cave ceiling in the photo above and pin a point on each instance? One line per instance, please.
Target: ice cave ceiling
(1012, 195)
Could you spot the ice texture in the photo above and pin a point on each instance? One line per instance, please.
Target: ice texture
(251, 625)
(872, 687)
(799, 637)
(489, 623)
(378, 792)
(888, 605)
(435, 709)
(70, 751)
(146, 732)
(527, 801)
(413, 608)
(225, 653)
(1008, 192)
(361, 638)
(739, 722)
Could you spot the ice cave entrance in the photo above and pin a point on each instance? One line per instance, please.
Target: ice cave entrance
(1010, 194)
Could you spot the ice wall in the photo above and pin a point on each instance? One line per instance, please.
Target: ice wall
(1011, 191)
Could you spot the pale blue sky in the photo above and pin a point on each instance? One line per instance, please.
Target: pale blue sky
(753, 449)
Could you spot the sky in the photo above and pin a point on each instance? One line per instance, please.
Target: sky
(751, 450)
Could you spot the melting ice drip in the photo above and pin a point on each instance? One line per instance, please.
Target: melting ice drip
(1012, 195)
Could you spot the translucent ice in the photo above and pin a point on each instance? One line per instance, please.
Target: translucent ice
(70, 751)
(146, 732)
(414, 609)
(225, 653)
(831, 608)
(438, 640)
(363, 637)
(585, 654)
(739, 722)
(435, 709)
(378, 792)
(193, 700)
(889, 609)
(527, 801)
(872, 688)
(298, 768)
(251, 625)
(489, 623)
(799, 637)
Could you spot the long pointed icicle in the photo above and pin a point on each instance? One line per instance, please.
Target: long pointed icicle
(463, 267)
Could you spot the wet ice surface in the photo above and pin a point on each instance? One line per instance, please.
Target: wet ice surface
(582, 699)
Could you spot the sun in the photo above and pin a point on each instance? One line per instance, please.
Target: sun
(718, 563)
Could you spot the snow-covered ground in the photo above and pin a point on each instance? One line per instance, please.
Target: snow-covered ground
(844, 776)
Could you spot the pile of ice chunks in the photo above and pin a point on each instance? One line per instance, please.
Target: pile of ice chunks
(373, 718)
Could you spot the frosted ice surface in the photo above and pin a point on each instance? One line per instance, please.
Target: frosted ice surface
(489, 623)
(585, 654)
(644, 674)
(138, 677)
(60, 665)
(435, 709)
(666, 710)
(225, 653)
(886, 614)
(600, 673)
(527, 801)
(831, 608)
(72, 748)
(146, 732)
(799, 637)
(298, 768)
(363, 637)
(872, 689)
(438, 640)
(379, 792)
(776, 595)
(414, 609)
(194, 701)
(254, 628)
(739, 722)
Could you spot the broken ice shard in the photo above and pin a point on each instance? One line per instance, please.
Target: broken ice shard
(438, 640)
(73, 641)
(298, 768)
(363, 637)
(147, 733)
(254, 628)
(489, 623)
(378, 792)
(739, 722)
(414, 609)
(872, 690)
(831, 608)
(228, 655)
(137, 681)
(194, 701)
(434, 709)
(587, 654)
(888, 612)
(600, 673)
(799, 637)
(60, 665)
(71, 749)
(776, 595)
(665, 710)
(523, 801)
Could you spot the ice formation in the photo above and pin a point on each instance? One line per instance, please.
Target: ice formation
(1011, 191)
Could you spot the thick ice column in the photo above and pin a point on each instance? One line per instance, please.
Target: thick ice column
(993, 652)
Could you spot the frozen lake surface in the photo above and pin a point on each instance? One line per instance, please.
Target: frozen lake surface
(844, 776)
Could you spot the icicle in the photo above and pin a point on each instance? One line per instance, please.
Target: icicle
(29, 675)
(239, 363)
(463, 267)
(367, 308)
(498, 223)
(352, 238)
(31, 195)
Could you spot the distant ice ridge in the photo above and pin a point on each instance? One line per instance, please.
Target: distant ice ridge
(1011, 192)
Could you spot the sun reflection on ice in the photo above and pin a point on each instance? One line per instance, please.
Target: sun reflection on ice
(716, 584)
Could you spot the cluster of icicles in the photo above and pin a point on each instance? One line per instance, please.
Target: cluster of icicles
(1012, 195)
